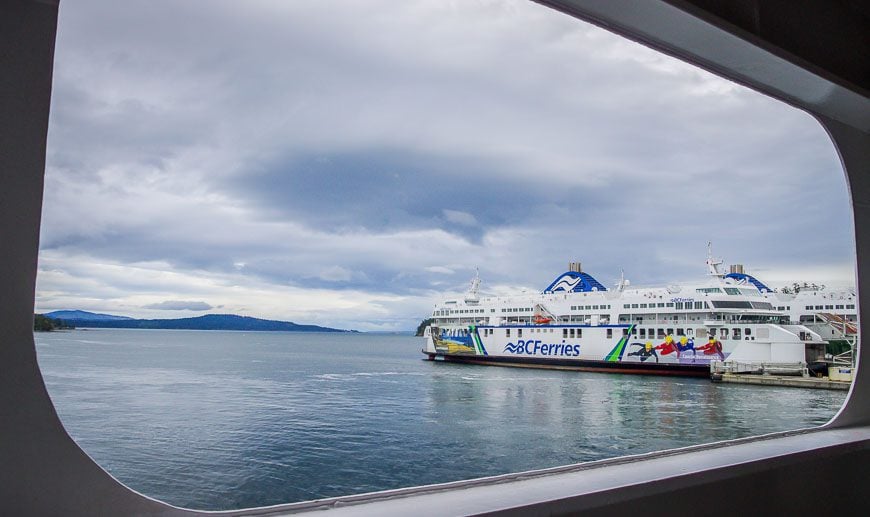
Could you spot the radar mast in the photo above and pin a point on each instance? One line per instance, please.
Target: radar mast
(472, 295)
(713, 263)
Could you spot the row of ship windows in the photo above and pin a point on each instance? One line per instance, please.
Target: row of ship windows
(541, 330)
(677, 305)
(733, 291)
(447, 312)
(641, 333)
(644, 305)
(736, 333)
(566, 332)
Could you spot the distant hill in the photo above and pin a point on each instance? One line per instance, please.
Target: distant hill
(83, 316)
(207, 322)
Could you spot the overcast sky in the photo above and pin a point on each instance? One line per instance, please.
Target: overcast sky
(349, 163)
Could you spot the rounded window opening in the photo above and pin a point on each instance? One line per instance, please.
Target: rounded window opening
(360, 168)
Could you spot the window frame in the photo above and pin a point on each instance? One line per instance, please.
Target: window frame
(53, 463)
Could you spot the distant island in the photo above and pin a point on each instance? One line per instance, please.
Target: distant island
(207, 322)
(83, 316)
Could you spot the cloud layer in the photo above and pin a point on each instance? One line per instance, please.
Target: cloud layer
(346, 163)
(179, 305)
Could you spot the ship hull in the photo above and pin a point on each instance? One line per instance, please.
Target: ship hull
(581, 365)
(606, 348)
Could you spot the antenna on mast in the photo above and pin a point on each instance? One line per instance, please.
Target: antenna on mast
(474, 288)
(712, 263)
(621, 285)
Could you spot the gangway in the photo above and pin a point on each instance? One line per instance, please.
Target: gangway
(843, 327)
(845, 330)
(543, 316)
(847, 358)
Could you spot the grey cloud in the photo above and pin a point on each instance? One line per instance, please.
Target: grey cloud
(459, 217)
(178, 305)
(378, 146)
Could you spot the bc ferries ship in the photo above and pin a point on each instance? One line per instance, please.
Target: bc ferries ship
(576, 323)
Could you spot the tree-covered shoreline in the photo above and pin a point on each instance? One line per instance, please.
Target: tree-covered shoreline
(423, 324)
(42, 323)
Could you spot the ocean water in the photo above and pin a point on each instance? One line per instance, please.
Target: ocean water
(224, 420)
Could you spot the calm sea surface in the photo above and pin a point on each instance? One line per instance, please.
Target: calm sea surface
(221, 420)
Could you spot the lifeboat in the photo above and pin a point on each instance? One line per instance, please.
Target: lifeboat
(542, 320)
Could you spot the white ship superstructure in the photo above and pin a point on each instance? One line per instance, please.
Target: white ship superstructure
(577, 323)
(831, 313)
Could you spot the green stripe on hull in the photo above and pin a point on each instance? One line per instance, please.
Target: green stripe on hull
(475, 338)
(615, 355)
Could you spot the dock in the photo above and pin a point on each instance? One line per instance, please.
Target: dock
(781, 380)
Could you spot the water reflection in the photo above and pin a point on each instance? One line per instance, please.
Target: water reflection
(220, 420)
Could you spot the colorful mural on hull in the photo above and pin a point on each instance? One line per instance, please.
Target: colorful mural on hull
(713, 347)
(615, 355)
(646, 351)
(685, 345)
(452, 345)
(468, 342)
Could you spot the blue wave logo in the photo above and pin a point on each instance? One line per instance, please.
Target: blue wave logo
(515, 349)
(566, 283)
